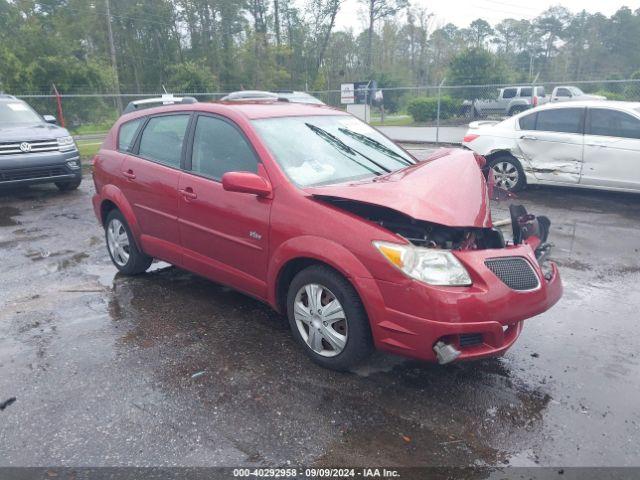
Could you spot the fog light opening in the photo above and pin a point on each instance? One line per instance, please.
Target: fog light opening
(445, 352)
(73, 164)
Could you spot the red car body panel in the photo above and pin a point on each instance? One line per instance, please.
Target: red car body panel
(194, 223)
(422, 191)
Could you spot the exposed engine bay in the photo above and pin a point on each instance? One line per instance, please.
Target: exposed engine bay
(433, 235)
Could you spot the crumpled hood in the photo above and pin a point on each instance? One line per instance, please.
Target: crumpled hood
(37, 131)
(448, 188)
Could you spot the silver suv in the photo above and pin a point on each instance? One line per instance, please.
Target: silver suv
(510, 101)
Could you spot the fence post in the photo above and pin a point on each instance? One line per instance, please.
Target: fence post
(59, 102)
(438, 114)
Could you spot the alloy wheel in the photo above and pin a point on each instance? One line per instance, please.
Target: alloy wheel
(118, 242)
(506, 175)
(321, 320)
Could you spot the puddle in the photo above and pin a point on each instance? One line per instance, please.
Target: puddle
(105, 274)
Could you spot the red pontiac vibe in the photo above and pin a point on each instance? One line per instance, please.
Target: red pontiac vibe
(319, 215)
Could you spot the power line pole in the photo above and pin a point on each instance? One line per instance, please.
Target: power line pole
(114, 63)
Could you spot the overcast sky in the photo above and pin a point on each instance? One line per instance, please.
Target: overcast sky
(462, 12)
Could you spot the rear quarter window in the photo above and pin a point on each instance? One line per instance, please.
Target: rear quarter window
(528, 122)
(127, 134)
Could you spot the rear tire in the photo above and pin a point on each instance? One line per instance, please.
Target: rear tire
(333, 329)
(508, 173)
(469, 112)
(122, 247)
(69, 186)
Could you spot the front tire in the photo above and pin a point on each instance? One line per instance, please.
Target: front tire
(516, 110)
(121, 246)
(508, 173)
(69, 186)
(328, 319)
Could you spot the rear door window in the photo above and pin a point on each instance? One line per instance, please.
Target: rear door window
(526, 91)
(162, 139)
(127, 134)
(563, 120)
(612, 123)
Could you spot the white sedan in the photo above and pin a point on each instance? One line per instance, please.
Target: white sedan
(590, 144)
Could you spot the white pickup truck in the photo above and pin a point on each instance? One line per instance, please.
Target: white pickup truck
(568, 93)
(510, 101)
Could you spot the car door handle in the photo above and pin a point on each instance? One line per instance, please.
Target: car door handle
(129, 174)
(188, 193)
(597, 144)
(528, 137)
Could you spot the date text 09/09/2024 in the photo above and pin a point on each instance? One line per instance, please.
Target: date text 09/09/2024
(316, 472)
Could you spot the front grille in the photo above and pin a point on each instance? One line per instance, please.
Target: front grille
(35, 146)
(470, 339)
(31, 173)
(515, 272)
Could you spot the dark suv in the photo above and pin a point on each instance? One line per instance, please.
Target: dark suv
(35, 150)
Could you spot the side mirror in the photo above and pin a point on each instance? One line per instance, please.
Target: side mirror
(50, 119)
(246, 182)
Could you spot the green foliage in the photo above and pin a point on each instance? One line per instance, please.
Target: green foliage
(612, 95)
(477, 66)
(425, 109)
(190, 77)
(393, 99)
(224, 45)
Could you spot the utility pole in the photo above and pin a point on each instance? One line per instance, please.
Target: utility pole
(114, 63)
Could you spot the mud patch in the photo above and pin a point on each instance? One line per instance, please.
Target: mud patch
(72, 260)
(37, 255)
(6, 216)
(574, 265)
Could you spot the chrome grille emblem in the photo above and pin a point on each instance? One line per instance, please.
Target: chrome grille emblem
(25, 147)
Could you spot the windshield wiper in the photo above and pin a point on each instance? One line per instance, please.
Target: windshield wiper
(373, 143)
(340, 145)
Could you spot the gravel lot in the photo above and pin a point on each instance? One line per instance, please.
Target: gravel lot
(170, 369)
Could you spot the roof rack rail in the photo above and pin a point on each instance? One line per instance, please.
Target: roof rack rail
(167, 99)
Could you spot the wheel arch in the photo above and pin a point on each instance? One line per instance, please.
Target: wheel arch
(301, 252)
(498, 153)
(113, 198)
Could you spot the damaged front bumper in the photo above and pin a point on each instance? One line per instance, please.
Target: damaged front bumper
(481, 320)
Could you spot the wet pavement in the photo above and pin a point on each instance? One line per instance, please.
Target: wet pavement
(169, 369)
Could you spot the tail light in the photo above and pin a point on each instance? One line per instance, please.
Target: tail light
(470, 138)
(535, 101)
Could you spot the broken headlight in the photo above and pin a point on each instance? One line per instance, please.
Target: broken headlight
(428, 265)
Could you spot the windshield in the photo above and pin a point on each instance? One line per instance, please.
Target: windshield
(17, 113)
(321, 150)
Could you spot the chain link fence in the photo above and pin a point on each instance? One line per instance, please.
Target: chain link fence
(436, 105)
(455, 105)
